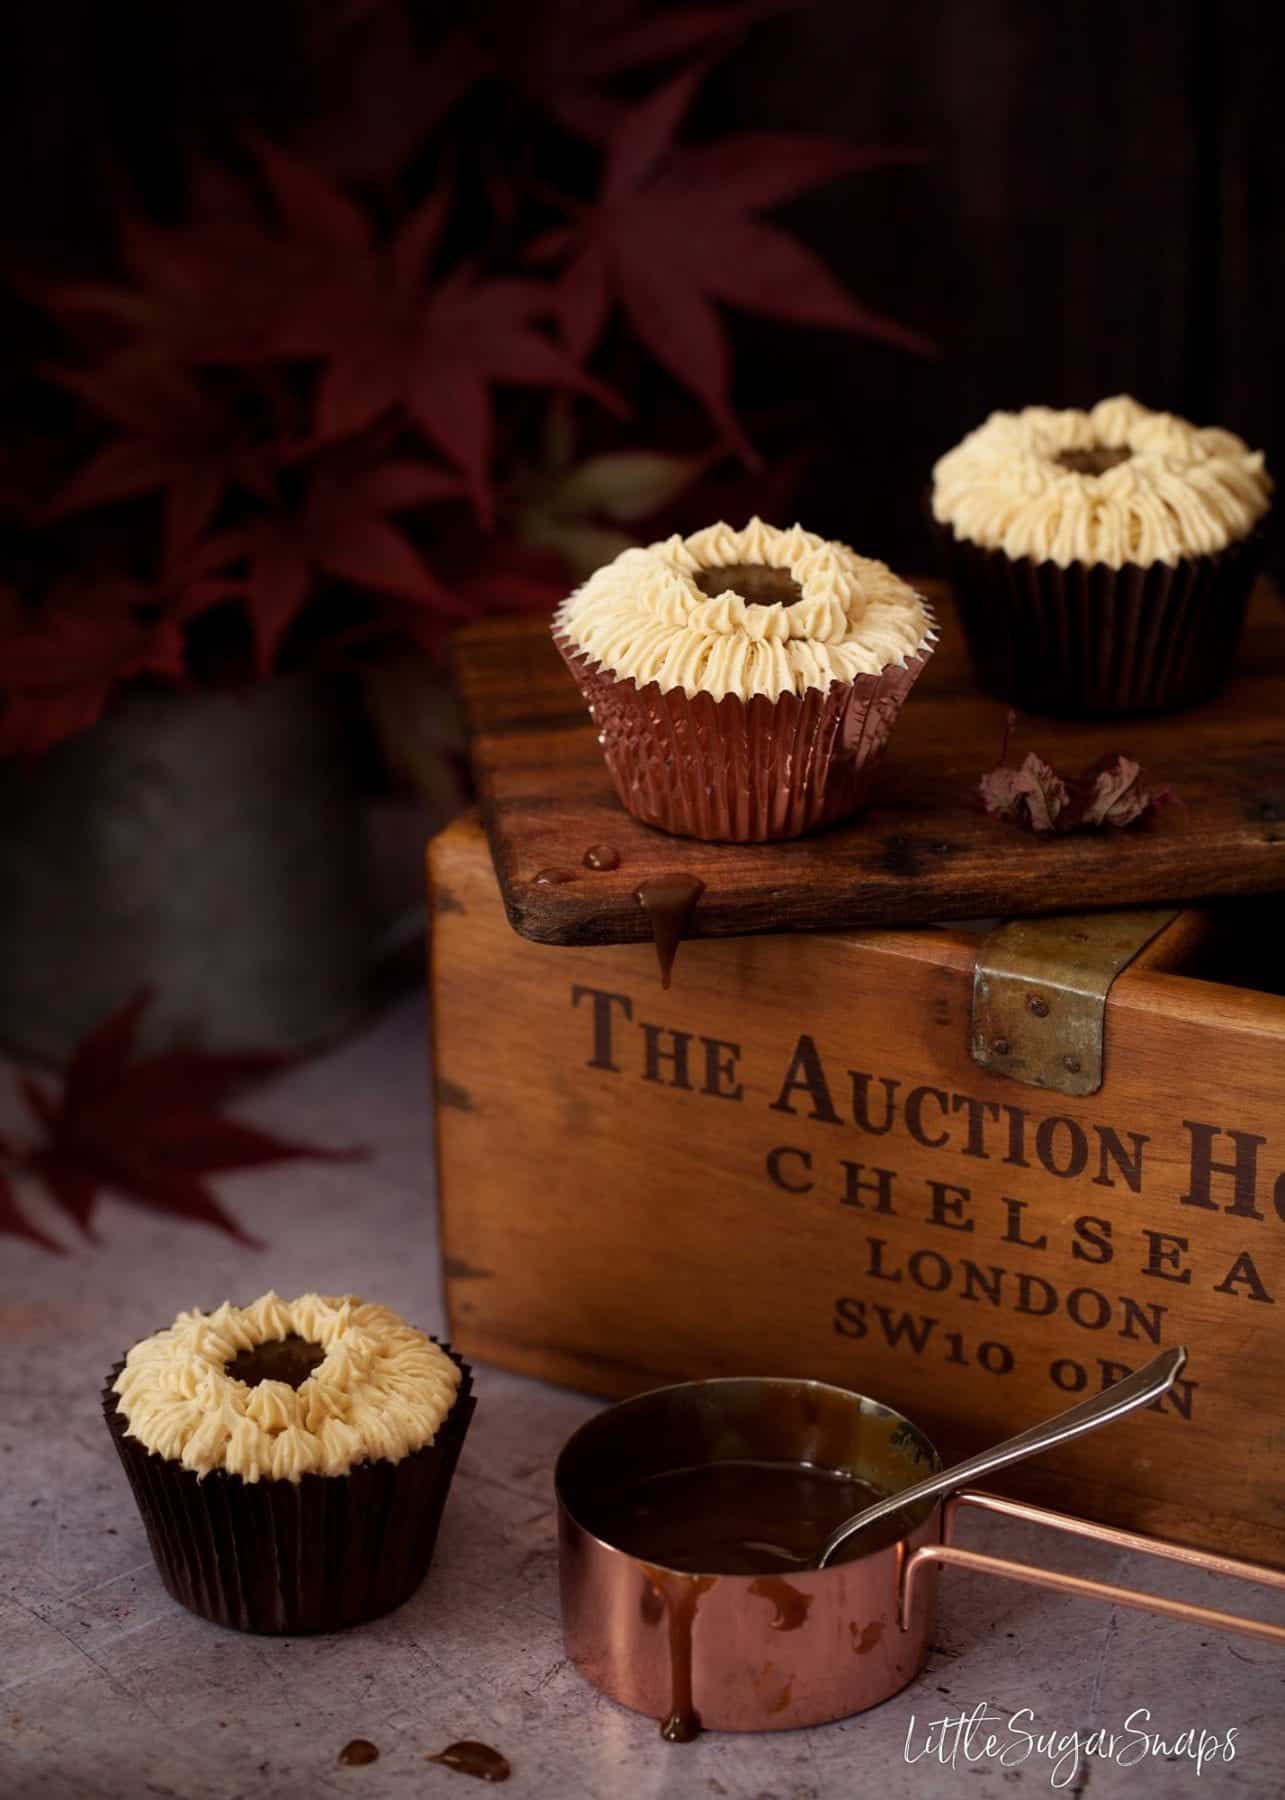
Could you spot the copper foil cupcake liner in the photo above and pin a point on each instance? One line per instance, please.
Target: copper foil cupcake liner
(744, 771)
(317, 1554)
(1090, 641)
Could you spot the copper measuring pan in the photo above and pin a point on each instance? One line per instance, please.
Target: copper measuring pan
(756, 1652)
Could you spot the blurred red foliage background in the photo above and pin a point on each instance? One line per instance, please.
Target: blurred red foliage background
(433, 341)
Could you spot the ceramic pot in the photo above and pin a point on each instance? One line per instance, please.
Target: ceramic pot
(206, 846)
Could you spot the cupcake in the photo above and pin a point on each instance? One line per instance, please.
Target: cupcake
(1101, 560)
(743, 682)
(291, 1459)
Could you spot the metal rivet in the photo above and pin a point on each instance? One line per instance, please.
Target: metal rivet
(1071, 1064)
(1038, 1005)
(1000, 1046)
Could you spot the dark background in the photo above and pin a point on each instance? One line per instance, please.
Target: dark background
(1100, 209)
(1102, 213)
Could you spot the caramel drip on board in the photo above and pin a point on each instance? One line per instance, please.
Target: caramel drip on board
(668, 901)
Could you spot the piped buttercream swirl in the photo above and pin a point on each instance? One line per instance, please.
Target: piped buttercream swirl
(381, 1390)
(645, 616)
(1177, 491)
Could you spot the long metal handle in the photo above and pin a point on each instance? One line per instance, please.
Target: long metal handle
(1139, 1389)
(1185, 1610)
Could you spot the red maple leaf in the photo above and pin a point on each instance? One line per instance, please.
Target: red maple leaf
(13, 1221)
(192, 440)
(323, 289)
(675, 230)
(147, 1128)
(227, 290)
(394, 87)
(555, 55)
(390, 339)
(390, 90)
(340, 530)
(225, 286)
(61, 662)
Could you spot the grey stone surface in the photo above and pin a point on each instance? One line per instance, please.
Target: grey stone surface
(108, 1689)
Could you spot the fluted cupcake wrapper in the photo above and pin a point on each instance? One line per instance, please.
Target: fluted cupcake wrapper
(1090, 641)
(318, 1554)
(743, 771)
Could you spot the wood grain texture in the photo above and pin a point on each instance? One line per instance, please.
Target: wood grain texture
(924, 850)
(610, 1219)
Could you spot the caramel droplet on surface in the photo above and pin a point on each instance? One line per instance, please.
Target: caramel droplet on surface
(554, 877)
(668, 901)
(468, 1757)
(602, 856)
(357, 1752)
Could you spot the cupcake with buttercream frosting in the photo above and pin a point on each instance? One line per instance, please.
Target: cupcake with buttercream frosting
(290, 1458)
(744, 683)
(1101, 560)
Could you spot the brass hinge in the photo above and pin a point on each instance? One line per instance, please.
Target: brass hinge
(1040, 991)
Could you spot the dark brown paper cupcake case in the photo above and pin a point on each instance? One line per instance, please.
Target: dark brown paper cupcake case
(1090, 641)
(743, 771)
(318, 1554)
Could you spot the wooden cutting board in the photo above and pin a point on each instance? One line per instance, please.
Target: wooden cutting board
(924, 850)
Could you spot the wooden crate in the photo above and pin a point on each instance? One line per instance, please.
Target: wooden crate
(790, 1163)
